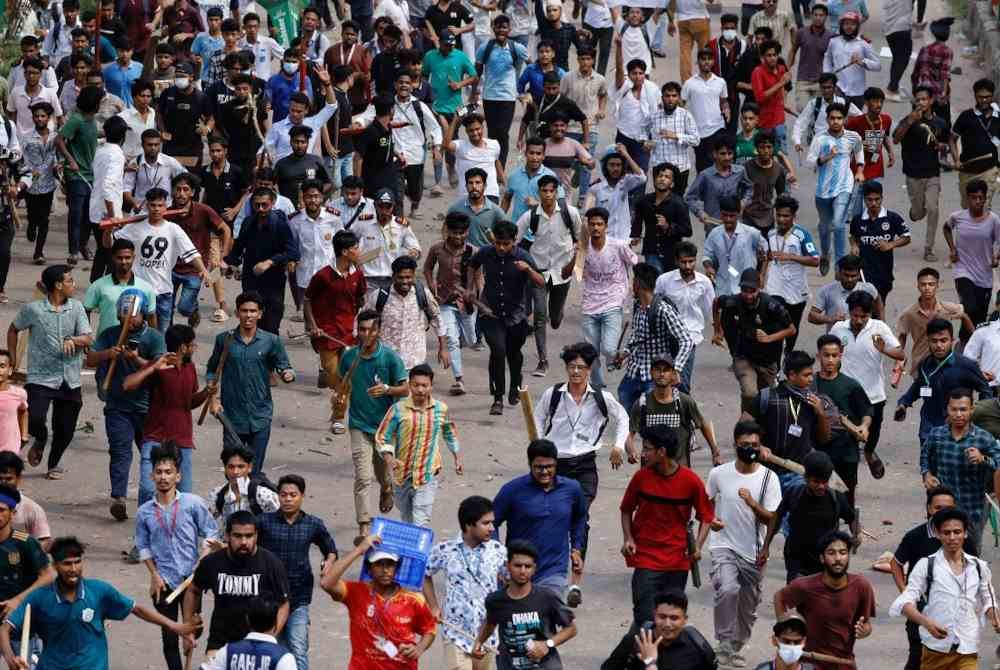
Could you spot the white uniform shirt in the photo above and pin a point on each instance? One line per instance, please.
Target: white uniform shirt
(109, 171)
(862, 360)
(315, 238)
(146, 176)
(411, 140)
(349, 215)
(984, 348)
(693, 300)
(575, 427)
(394, 239)
(552, 245)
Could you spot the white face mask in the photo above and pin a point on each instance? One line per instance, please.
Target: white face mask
(729, 35)
(182, 82)
(290, 68)
(790, 653)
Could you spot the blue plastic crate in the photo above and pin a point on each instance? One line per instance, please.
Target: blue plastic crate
(411, 543)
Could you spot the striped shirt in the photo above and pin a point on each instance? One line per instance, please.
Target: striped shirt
(413, 435)
(836, 176)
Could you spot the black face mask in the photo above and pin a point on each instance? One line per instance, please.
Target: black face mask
(747, 454)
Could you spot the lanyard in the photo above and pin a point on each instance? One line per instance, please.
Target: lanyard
(730, 244)
(549, 106)
(479, 566)
(173, 519)
(794, 410)
(927, 377)
(344, 60)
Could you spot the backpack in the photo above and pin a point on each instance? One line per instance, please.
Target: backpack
(421, 291)
(686, 421)
(557, 394)
(930, 577)
(488, 51)
(830, 409)
(525, 243)
(255, 482)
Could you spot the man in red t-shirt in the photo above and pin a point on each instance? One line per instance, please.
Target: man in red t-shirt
(201, 223)
(332, 300)
(173, 385)
(390, 627)
(873, 126)
(770, 80)
(655, 512)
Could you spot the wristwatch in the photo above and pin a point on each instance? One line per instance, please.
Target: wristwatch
(550, 644)
(651, 661)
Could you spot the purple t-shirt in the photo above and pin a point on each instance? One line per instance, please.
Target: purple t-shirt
(605, 277)
(976, 243)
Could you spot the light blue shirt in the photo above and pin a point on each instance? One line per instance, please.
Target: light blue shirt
(738, 252)
(499, 74)
(205, 45)
(520, 187)
(171, 536)
(48, 326)
(835, 176)
(118, 80)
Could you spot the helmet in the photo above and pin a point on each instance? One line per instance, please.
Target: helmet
(851, 16)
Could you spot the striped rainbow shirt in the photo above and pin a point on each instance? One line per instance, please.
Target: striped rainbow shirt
(412, 435)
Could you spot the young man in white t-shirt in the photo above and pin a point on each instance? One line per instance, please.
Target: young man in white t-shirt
(478, 151)
(706, 96)
(746, 495)
(160, 244)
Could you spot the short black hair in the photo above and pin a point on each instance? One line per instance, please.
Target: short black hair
(729, 204)
(475, 172)
(939, 325)
(115, 129)
(661, 437)
(121, 243)
(542, 448)
(685, 249)
(189, 178)
(673, 598)
(837, 107)
(66, 547)
(167, 451)
(156, 194)
(860, 300)
(748, 427)
(849, 262)
(646, 275)
(298, 481)
(178, 334)
(597, 212)
(833, 536)
(874, 93)
(797, 360)
(405, 262)
(950, 514)
(521, 548)
(54, 274)
(472, 509)
(250, 296)
(960, 393)
(422, 370)
(311, 185)
(241, 451)
(11, 462)
(342, 241)
(243, 517)
(584, 350)
(785, 201)
(504, 230)
(976, 186)
(828, 339)
(817, 465)
(932, 493)
(456, 221)
(262, 614)
(369, 315)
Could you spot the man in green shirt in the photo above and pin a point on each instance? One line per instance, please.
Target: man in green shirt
(77, 144)
(854, 407)
(449, 71)
(373, 385)
(986, 415)
(103, 294)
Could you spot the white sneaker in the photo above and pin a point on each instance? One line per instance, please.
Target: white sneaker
(894, 97)
(723, 654)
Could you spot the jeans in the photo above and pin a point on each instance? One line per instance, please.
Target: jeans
(256, 442)
(39, 209)
(584, 470)
(703, 152)
(602, 42)
(780, 137)
(661, 263)
(171, 643)
(416, 505)
(499, 117)
(602, 331)
(6, 240)
(146, 488)
(66, 405)
(746, 13)
(636, 150)
(788, 480)
(295, 636)
(340, 168)
(459, 327)
(901, 45)
(549, 302)
(164, 311)
(555, 583)
(687, 372)
(800, 8)
(630, 389)
(505, 343)
(189, 286)
(591, 145)
(78, 219)
(124, 429)
(833, 219)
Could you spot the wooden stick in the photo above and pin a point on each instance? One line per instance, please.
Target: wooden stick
(181, 587)
(122, 336)
(125, 220)
(344, 387)
(218, 377)
(529, 413)
(960, 166)
(835, 481)
(323, 336)
(26, 634)
(826, 658)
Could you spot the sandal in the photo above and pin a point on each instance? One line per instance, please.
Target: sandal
(876, 467)
(55, 473)
(574, 596)
(35, 456)
(219, 316)
(385, 501)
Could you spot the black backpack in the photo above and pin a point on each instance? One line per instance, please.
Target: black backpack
(525, 243)
(488, 51)
(930, 577)
(255, 481)
(557, 394)
(421, 291)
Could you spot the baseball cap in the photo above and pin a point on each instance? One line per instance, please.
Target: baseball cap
(790, 620)
(662, 359)
(750, 278)
(380, 555)
(447, 38)
(184, 67)
(385, 196)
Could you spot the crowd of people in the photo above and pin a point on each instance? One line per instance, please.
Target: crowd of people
(199, 143)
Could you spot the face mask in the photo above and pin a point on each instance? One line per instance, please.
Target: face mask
(790, 653)
(182, 82)
(290, 68)
(729, 35)
(746, 454)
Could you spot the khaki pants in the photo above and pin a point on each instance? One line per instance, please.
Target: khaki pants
(990, 177)
(804, 92)
(367, 465)
(691, 32)
(456, 659)
(329, 362)
(935, 660)
(925, 196)
(752, 378)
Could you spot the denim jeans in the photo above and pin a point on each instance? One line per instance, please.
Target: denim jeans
(833, 219)
(416, 505)
(295, 636)
(189, 286)
(687, 372)
(124, 429)
(630, 389)
(555, 583)
(780, 138)
(591, 145)
(256, 442)
(146, 487)
(164, 311)
(459, 327)
(343, 167)
(661, 263)
(602, 331)
(788, 480)
(78, 219)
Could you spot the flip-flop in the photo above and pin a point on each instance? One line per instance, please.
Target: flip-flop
(876, 467)
(35, 456)
(55, 473)
(385, 501)
(219, 316)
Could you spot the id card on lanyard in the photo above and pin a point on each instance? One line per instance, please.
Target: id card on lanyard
(926, 391)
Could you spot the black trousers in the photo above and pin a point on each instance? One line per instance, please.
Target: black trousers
(6, 240)
(171, 643)
(101, 264)
(921, 9)
(505, 343)
(499, 117)
(795, 313)
(602, 41)
(680, 186)
(901, 45)
(703, 152)
(916, 647)
(66, 404)
(647, 584)
(875, 430)
(411, 182)
(584, 470)
(549, 304)
(975, 300)
(39, 209)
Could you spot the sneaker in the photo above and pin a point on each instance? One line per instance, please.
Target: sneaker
(458, 388)
(132, 557)
(736, 658)
(541, 370)
(824, 265)
(436, 191)
(479, 346)
(118, 509)
(659, 53)
(723, 654)
(513, 398)
(496, 409)
(87, 254)
(72, 260)
(338, 428)
(930, 256)
(894, 97)
(40, 260)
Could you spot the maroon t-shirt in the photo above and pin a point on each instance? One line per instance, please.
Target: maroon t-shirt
(169, 416)
(335, 300)
(200, 224)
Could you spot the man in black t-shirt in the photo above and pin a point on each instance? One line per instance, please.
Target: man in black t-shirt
(875, 234)
(222, 183)
(236, 122)
(376, 158)
(920, 542)
(182, 113)
(235, 575)
(298, 166)
(660, 237)
(447, 14)
(532, 621)
(978, 128)
(552, 104)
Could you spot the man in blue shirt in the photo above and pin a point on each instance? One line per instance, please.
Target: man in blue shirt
(282, 85)
(497, 62)
(547, 510)
(120, 75)
(70, 614)
(521, 192)
(207, 43)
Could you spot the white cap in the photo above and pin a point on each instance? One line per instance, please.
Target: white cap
(379, 555)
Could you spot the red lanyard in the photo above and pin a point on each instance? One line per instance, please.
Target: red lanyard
(173, 519)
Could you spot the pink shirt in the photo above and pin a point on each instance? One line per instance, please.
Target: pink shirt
(13, 399)
(31, 518)
(605, 277)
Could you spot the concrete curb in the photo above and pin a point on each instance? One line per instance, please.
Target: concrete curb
(982, 29)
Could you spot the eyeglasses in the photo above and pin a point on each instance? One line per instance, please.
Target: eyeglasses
(577, 367)
(544, 467)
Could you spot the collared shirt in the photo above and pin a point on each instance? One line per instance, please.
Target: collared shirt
(471, 574)
(119, 80)
(703, 97)
(20, 102)
(693, 300)
(315, 237)
(267, 499)
(146, 176)
(785, 407)
(411, 139)
(103, 295)
(654, 331)
(740, 322)
(506, 288)
(268, 240)
(946, 458)
(835, 176)
(787, 279)
(552, 243)
(956, 604)
(635, 44)
(520, 187)
(169, 535)
(633, 114)
(394, 239)
(933, 69)
(730, 255)
(831, 299)
(780, 24)
(861, 360)
(221, 660)
(710, 186)
(265, 50)
(73, 630)
(499, 74)
(335, 299)
(109, 168)
(413, 435)
(812, 122)
(290, 542)
(955, 371)
(984, 348)
(547, 519)
(586, 92)
(676, 151)
(404, 324)
(839, 52)
(577, 428)
(278, 143)
(48, 326)
(615, 199)
(452, 267)
(363, 210)
(687, 650)
(657, 240)
(913, 323)
(136, 127)
(40, 161)
(246, 391)
(148, 343)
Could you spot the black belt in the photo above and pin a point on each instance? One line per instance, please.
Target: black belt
(582, 458)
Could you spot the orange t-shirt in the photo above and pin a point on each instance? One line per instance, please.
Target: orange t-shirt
(402, 619)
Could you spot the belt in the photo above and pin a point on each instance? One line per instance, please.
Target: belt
(577, 460)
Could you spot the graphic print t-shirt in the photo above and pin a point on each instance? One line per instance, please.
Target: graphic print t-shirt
(535, 617)
(158, 249)
(235, 582)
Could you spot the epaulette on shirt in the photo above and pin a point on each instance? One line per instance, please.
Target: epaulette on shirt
(20, 535)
